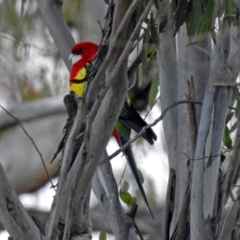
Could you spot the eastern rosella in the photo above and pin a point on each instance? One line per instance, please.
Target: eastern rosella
(81, 56)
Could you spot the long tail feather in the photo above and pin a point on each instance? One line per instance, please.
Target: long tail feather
(133, 166)
(131, 118)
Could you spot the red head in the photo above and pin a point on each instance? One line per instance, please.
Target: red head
(81, 53)
(84, 52)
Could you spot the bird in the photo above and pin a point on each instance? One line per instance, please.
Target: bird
(81, 57)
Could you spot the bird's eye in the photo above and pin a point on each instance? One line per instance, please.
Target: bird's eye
(78, 51)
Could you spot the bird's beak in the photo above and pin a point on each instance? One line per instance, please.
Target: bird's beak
(73, 58)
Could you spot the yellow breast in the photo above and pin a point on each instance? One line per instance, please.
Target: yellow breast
(78, 88)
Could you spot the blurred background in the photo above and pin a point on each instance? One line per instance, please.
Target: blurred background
(33, 81)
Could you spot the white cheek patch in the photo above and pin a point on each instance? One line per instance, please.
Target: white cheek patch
(73, 58)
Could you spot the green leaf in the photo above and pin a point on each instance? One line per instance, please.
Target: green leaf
(234, 127)
(125, 186)
(158, 4)
(229, 117)
(151, 51)
(153, 91)
(8, 12)
(229, 10)
(126, 197)
(194, 16)
(140, 175)
(226, 138)
(206, 23)
(103, 235)
(153, 31)
(232, 100)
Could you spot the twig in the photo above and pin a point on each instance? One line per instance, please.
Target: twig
(34, 144)
(224, 84)
(151, 107)
(149, 126)
(122, 174)
(195, 159)
(132, 213)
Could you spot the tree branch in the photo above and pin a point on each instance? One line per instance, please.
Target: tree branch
(32, 110)
(204, 194)
(52, 15)
(121, 222)
(13, 215)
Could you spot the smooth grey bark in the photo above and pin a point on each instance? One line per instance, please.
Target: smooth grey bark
(168, 82)
(192, 71)
(121, 222)
(13, 215)
(102, 197)
(178, 75)
(204, 194)
(191, 60)
(52, 15)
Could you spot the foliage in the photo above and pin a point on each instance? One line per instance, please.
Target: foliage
(103, 235)
(191, 132)
(201, 16)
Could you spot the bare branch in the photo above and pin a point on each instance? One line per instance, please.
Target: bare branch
(52, 15)
(121, 222)
(32, 110)
(13, 215)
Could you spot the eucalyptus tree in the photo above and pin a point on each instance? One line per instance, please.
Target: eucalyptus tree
(195, 48)
(199, 60)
